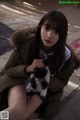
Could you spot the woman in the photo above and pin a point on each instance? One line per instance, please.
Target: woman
(40, 47)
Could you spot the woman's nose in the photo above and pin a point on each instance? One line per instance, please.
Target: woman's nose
(49, 34)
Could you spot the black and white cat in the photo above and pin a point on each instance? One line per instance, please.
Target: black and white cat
(39, 81)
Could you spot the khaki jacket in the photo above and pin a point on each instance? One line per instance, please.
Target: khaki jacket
(23, 55)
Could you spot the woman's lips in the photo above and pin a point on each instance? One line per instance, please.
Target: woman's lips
(48, 41)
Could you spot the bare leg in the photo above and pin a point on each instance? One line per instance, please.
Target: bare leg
(16, 102)
(21, 108)
(31, 105)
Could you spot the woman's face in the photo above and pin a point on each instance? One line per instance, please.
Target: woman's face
(49, 37)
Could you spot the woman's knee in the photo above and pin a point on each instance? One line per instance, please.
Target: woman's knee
(17, 96)
(16, 102)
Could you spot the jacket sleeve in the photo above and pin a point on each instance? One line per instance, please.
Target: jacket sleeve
(60, 80)
(14, 67)
(56, 84)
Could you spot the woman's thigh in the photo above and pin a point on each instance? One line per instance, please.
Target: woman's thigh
(18, 101)
(32, 104)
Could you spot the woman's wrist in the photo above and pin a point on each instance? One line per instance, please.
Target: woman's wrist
(28, 69)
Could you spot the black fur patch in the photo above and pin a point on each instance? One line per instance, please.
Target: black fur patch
(40, 72)
(33, 83)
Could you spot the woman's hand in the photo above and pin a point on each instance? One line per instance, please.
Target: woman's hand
(35, 63)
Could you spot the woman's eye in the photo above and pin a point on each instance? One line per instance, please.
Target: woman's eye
(46, 27)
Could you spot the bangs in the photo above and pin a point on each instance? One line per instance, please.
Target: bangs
(51, 24)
